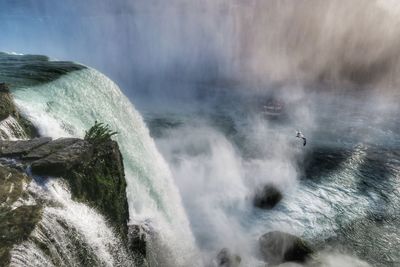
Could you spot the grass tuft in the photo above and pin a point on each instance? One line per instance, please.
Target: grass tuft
(99, 133)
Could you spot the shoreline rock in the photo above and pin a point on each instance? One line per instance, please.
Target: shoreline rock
(278, 247)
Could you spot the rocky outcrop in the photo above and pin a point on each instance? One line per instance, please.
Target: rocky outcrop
(98, 179)
(267, 197)
(279, 247)
(63, 161)
(48, 148)
(95, 172)
(18, 149)
(17, 219)
(8, 108)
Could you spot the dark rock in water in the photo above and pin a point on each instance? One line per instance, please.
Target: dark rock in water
(279, 247)
(137, 239)
(50, 148)
(20, 148)
(62, 161)
(4, 88)
(226, 259)
(267, 198)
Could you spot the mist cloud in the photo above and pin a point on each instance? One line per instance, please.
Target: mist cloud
(138, 43)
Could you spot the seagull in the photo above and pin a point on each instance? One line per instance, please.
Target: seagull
(300, 135)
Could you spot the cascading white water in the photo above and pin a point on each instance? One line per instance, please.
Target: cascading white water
(11, 130)
(73, 233)
(70, 105)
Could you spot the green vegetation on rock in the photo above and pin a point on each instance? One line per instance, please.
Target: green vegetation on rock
(101, 182)
(99, 133)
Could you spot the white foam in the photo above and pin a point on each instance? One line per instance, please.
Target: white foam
(84, 226)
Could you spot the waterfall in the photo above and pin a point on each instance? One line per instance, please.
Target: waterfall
(70, 105)
(11, 130)
(69, 234)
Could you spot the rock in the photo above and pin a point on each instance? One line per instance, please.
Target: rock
(8, 108)
(16, 221)
(15, 226)
(61, 161)
(137, 239)
(95, 173)
(20, 148)
(28, 127)
(279, 247)
(98, 178)
(12, 184)
(267, 198)
(50, 148)
(226, 259)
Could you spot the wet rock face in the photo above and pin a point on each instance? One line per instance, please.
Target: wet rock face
(17, 219)
(99, 179)
(279, 247)
(226, 259)
(6, 102)
(50, 148)
(137, 240)
(20, 148)
(61, 161)
(8, 108)
(267, 197)
(95, 172)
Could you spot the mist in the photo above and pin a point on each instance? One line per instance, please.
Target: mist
(145, 45)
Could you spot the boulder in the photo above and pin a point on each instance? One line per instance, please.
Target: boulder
(279, 247)
(50, 148)
(226, 259)
(137, 240)
(267, 197)
(20, 148)
(61, 161)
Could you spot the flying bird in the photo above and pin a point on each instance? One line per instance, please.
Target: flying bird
(300, 135)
